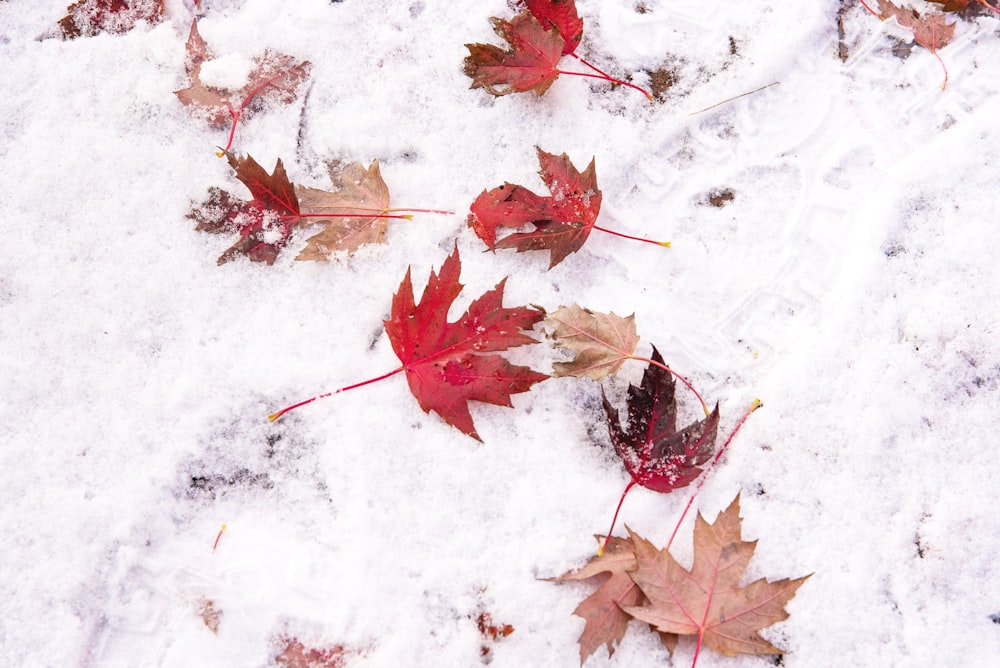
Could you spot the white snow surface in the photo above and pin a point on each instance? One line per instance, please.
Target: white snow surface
(851, 284)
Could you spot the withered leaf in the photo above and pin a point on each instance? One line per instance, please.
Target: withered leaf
(707, 601)
(358, 190)
(600, 342)
(605, 620)
(275, 76)
(929, 30)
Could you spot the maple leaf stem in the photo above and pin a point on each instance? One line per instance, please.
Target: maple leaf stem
(614, 520)
(237, 113)
(217, 537)
(676, 375)
(296, 216)
(701, 482)
(441, 211)
(989, 6)
(944, 84)
(274, 416)
(591, 66)
(870, 10)
(697, 647)
(664, 244)
(379, 213)
(232, 130)
(649, 96)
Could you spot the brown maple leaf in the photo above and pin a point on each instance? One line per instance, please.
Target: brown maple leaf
(605, 620)
(360, 191)
(275, 77)
(707, 601)
(600, 342)
(529, 63)
(929, 30)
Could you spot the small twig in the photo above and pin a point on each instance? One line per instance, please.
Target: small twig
(757, 90)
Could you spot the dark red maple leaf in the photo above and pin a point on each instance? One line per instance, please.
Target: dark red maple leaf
(89, 17)
(264, 223)
(563, 15)
(657, 455)
(562, 222)
(529, 63)
(448, 364)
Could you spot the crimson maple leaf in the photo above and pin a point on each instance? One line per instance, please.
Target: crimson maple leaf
(264, 223)
(529, 63)
(89, 17)
(563, 15)
(562, 222)
(449, 364)
(967, 8)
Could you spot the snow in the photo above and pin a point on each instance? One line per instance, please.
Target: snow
(850, 284)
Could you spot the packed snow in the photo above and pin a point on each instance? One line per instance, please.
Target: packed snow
(850, 283)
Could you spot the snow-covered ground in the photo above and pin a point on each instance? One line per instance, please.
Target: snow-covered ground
(851, 284)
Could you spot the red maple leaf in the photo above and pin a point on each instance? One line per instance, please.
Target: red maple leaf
(448, 364)
(264, 223)
(563, 15)
(562, 222)
(89, 17)
(529, 63)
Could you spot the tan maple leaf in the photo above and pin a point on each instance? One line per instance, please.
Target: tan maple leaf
(358, 190)
(600, 342)
(605, 620)
(707, 601)
(929, 30)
